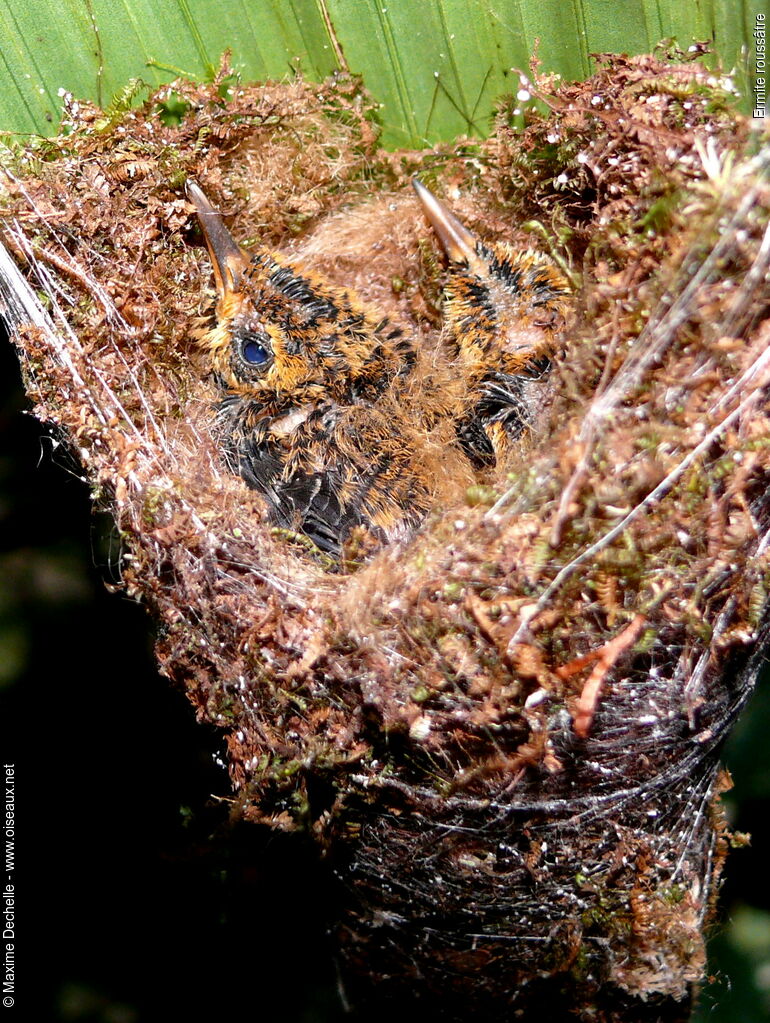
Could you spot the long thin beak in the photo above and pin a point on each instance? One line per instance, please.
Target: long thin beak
(228, 258)
(456, 240)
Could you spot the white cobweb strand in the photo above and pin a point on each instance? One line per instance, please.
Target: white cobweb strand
(154, 458)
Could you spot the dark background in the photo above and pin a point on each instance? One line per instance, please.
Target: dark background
(138, 901)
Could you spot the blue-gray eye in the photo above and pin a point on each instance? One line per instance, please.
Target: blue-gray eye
(254, 352)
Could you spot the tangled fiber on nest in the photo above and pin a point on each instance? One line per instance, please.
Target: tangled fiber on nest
(504, 735)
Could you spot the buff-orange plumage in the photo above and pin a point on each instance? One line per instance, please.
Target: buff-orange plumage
(324, 409)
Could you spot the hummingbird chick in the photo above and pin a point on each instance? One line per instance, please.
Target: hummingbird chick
(308, 417)
(332, 414)
(504, 310)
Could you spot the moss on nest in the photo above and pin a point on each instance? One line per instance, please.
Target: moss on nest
(504, 734)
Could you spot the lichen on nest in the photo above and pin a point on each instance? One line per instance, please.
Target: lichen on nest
(504, 734)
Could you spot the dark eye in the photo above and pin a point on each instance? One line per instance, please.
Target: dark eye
(253, 351)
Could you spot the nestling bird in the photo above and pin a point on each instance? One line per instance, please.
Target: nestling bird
(504, 311)
(328, 410)
(309, 418)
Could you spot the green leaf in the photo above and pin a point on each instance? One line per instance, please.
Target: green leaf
(436, 66)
